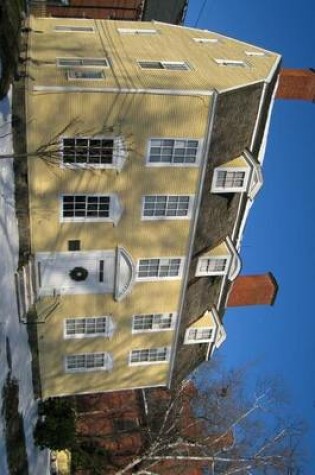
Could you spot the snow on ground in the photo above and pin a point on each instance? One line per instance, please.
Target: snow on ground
(10, 327)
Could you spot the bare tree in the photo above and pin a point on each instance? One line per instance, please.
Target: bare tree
(221, 430)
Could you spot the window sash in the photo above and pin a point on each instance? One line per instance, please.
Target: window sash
(211, 265)
(74, 29)
(86, 207)
(198, 334)
(153, 322)
(230, 179)
(159, 268)
(168, 65)
(136, 31)
(86, 327)
(173, 151)
(149, 355)
(87, 362)
(85, 74)
(82, 62)
(88, 151)
(171, 206)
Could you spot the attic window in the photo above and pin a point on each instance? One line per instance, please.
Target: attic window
(74, 29)
(231, 63)
(136, 31)
(206, 40)
(82, 62)
(85, 74)
(170, 65)
(255, 53)
(198, 335)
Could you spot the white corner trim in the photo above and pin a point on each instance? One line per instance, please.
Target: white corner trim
(203, 170)
(124, 90)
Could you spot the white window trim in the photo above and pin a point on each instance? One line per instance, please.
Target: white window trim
(158, 279)
(190, 341)
(108, 334)
(137, 31)
(107, 366)
(84, 66)
(226, 257)
(230, 62)
(71, 70)
(153, 330)
(115, 210)
(74, 29)
(206, 40)
(119, 153)
(169, 218)
(146, 363)
(181, 165)
(189, 67)
(218, 189)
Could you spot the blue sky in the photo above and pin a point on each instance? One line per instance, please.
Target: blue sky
(279, 234)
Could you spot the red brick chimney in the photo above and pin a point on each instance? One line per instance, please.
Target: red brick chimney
(296, 84)
(253, 290)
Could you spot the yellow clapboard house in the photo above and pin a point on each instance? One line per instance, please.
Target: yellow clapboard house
(145, 143)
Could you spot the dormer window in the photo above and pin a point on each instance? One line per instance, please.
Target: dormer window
(219, 261)
(198, 335)
(242, 174)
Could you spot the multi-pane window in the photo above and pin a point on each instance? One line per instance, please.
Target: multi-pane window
(173, 151)
(73, 29)
(170, 65)
(81, 62)
(91, 74)
(136, 31)
(86, 327)
(159, 268)
(230, 179)
(87, 362)
(212, 266)
(85, 207)
(231, 62)
(153, 322)
(199, 334)
(87, 151)
(206, 40)
(149, 355)
(168, 206)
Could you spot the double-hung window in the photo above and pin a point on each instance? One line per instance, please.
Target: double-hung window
(234, 63)
(153, 322)
(95, 152)
(172, 152)
(90, 208)
(137, 31)
(211, 266)
(74, 29)
(152, 269)
(85, 362)
(198, 335)
(87, 327)
(85, 74)
(169, 65)
(149, 355)
(167, 207)
(82, 62)
(230, 179)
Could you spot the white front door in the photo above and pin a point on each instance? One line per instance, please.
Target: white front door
(76, 272)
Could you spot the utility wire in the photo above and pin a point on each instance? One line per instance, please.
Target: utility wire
(200, 12)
